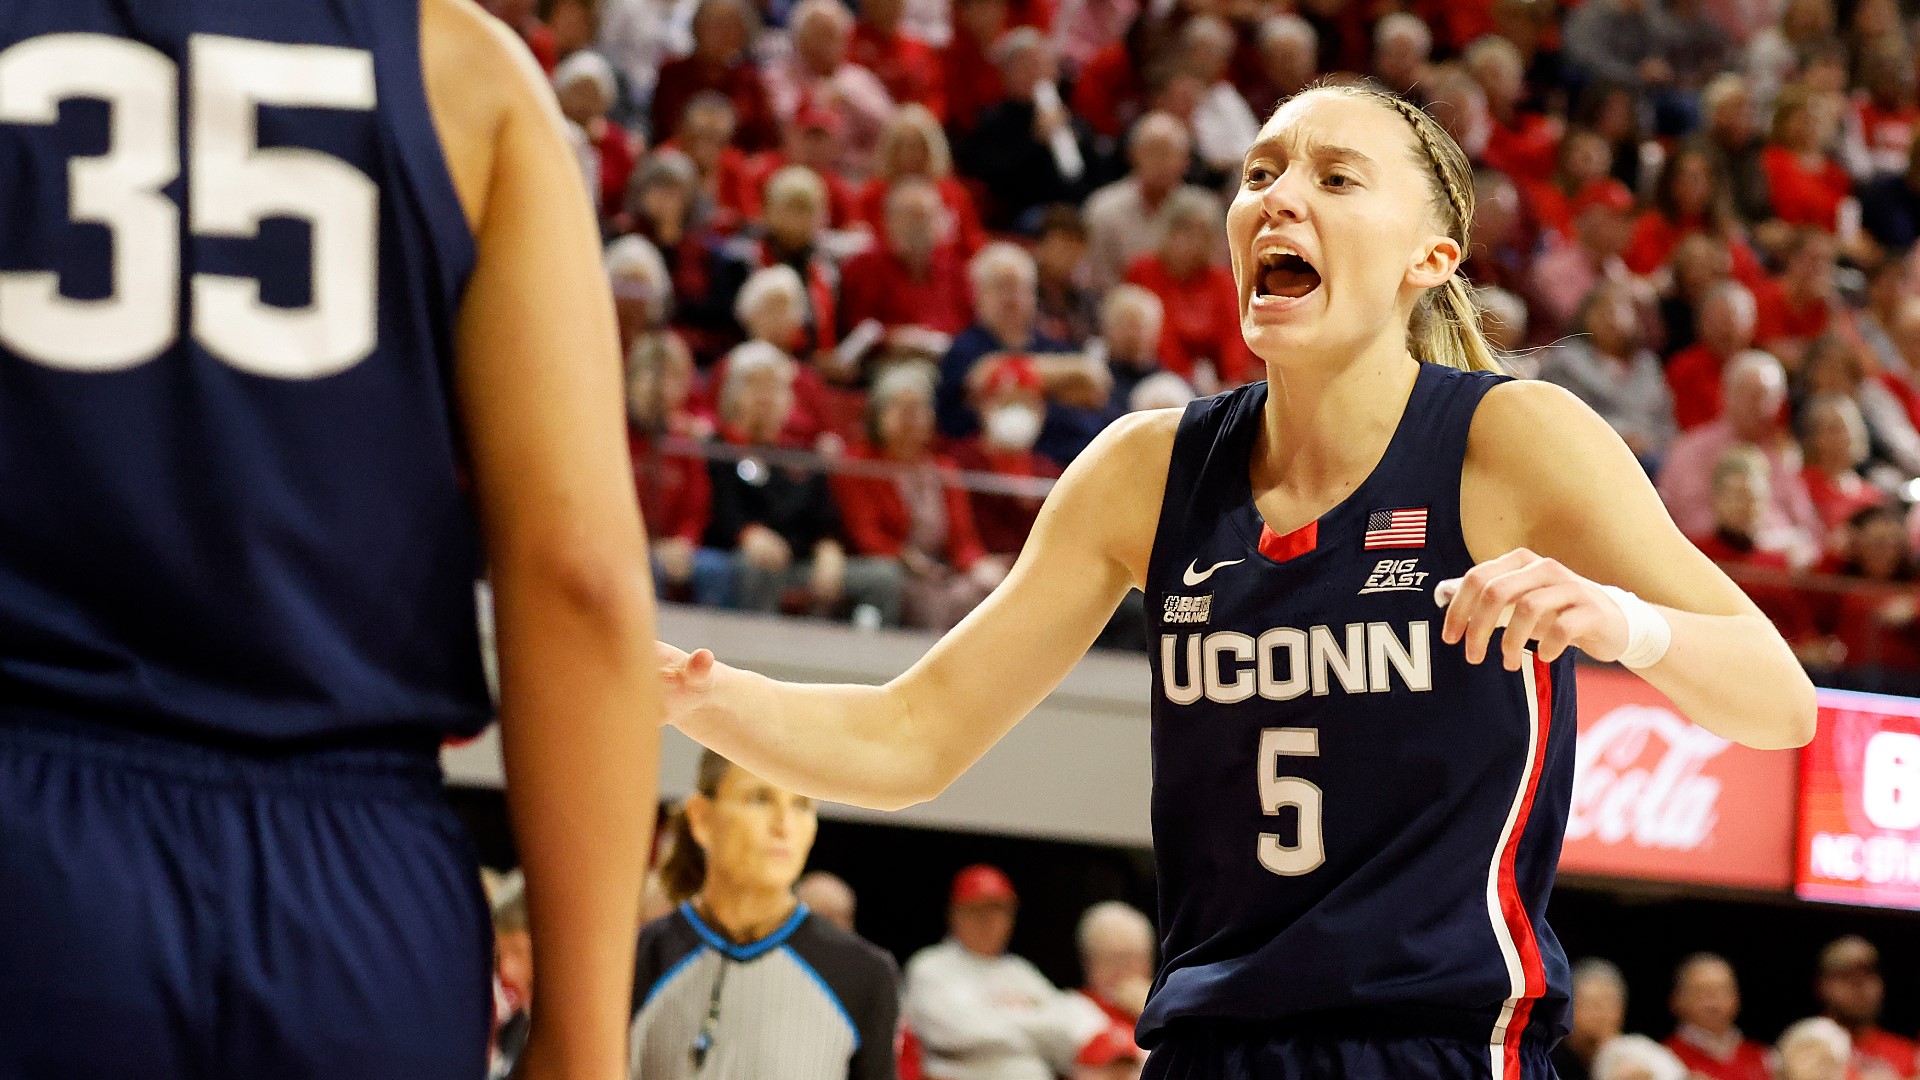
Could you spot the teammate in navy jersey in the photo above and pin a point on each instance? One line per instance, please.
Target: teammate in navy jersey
(300, 303)
(1358, 799)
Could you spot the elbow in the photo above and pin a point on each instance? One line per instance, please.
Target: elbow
(1790, 719)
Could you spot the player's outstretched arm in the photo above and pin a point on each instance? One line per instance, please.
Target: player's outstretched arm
(539, 390)
(890, 746)
(1554, 503)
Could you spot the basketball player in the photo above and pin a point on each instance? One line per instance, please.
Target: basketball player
(300, 301)
(1358, 803)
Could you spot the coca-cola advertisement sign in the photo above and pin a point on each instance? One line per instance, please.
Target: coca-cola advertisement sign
(1860, 802)
(1656, 797)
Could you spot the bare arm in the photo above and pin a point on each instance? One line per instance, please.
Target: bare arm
(890, 746)
(1554, 502)
(538, 383)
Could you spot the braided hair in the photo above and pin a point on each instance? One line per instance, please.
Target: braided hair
(1446, 320)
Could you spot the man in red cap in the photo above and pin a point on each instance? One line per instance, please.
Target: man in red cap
(980, 1013)
(1012, 406)
(1562, 278)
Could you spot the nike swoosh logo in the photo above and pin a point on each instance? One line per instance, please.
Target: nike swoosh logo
(1195, 576)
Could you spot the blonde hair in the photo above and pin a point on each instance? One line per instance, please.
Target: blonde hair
(910, 120)
(1445, 328)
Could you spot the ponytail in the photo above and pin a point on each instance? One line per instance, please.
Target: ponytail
(1445, 328)
(684, 872)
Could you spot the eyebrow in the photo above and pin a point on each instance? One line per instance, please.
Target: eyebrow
(1318, 150)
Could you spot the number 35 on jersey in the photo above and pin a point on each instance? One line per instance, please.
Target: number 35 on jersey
(232, 185)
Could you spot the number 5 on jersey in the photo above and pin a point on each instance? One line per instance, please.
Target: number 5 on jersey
(1278, 792)
(233, 185)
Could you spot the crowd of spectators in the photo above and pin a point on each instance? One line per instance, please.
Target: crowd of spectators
(1844, 1042)
(949, 241)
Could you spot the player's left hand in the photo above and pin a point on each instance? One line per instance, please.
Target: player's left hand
(1536, 599)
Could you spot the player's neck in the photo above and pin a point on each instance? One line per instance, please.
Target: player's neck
(1328, 425)
(745, 915)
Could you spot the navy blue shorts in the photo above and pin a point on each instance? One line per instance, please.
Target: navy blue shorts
(1202, 1051)
(173, 912)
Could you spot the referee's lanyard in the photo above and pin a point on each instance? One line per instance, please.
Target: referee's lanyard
(703, 1042)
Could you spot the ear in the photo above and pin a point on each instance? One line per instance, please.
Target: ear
(700, 821)
(1434, 261)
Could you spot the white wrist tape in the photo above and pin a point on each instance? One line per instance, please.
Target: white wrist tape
(1648, 633)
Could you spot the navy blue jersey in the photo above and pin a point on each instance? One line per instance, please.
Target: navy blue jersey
(1353, 825)
(231, 500)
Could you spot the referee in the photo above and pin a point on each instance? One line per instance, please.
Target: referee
(742, 981)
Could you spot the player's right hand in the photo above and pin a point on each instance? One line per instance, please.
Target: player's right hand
(686, 679)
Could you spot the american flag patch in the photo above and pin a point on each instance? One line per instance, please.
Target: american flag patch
(1396, 529)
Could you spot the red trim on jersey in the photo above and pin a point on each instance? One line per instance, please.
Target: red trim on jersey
(1512, 907)
(1291, 546)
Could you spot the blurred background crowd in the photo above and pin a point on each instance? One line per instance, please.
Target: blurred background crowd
(883, 272)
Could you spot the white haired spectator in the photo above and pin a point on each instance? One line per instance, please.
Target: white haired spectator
(1125, 219)
(817, 74)
(998, 259)
(585, 65)
(1223, 124)
(1116, 956)
(1130, 321)
(642, 287)
(1161, 390)
(1402, 43)
(1599, 1013)
(771, 297)
(1289, 56)
(1636, 1057)
(1816, 1048)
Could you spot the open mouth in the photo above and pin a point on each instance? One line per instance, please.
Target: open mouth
(1285, 274)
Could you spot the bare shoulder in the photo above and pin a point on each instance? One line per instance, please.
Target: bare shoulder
(479, 77)
(1537, 454)
(1109, 500)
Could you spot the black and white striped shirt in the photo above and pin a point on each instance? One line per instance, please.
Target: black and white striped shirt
(807, 1002)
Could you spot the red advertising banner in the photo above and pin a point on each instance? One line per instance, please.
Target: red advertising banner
(1655, 797)
(1860, 802)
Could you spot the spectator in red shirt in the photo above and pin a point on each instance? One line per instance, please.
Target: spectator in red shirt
(1885, 112)
(1806, 184)
(719, 61)
(1815, 1049)
(1116, 956)
(817, 76)
(1585, 159)
(1706, 1002)
(913, 281)
(585, 87)
(1689, 197)
(676, 497)
(972, 79)
(1289, 61)
(729, 180)
(1741, 493)
(1519, 142)
(916, 516)
(522, 17)
(1694, 373)
(908, 67)
(1835, 445)
(1200, 340)
(1012, 409)
(913, 145)
(1799, 305)
(1851, 993)
(1568, 272)
(1877, 628)
(770, 308)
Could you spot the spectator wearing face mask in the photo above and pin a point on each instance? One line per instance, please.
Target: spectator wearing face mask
(1705, 1003)
(1599, 1010)
(1636, 1057)
(1851, 993)
(1819, 1049)
(1012, 410)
